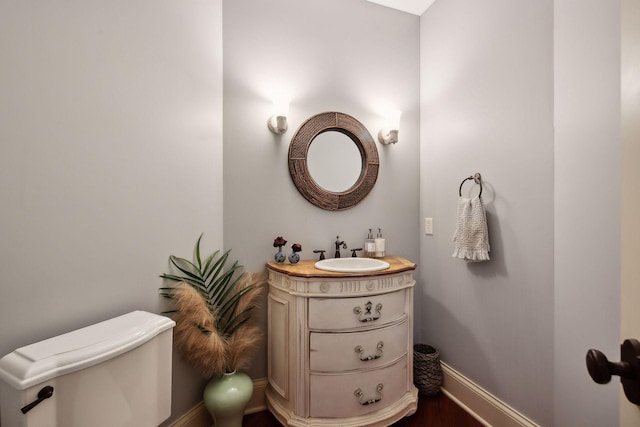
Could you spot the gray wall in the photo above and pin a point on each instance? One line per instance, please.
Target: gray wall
(330, 55)
(587, 206)
(521, 324)
(487, 106)
(110, 160)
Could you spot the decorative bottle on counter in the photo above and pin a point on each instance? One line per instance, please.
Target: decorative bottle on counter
(379, 244)
(369, 246)
(294, 257)
(280, 256)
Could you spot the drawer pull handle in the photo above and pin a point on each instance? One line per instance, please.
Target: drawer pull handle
(360, 350)
(367, 316)
(358, 393)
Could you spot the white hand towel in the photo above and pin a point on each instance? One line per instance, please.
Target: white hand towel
(472, 235)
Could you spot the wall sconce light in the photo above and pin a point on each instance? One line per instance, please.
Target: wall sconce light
(278, 121)
(389, 133)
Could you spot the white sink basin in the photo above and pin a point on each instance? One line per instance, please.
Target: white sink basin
(351, 265)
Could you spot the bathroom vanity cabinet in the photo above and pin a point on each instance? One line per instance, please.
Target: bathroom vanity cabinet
(340, 345)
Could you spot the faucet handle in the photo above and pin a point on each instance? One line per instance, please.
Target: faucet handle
(321, 252)
(353, 252)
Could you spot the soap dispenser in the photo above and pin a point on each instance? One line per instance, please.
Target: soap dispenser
(379, 245)
(369, 246)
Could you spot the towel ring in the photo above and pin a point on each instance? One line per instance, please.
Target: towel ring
(478, 180)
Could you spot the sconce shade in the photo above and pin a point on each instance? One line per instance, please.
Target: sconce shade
(393, 121)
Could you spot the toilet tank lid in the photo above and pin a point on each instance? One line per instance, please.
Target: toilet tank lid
(79, 349)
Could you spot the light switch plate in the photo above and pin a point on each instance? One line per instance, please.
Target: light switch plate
(428, 226)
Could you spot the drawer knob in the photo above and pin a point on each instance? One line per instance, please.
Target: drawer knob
(367, 315)
(371, 400)
(360, 350)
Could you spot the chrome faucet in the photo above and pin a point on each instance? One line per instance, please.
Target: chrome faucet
(338, 244)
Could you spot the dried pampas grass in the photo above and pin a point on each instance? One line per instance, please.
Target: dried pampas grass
(246, 339)
(195, 333)
(198, 338)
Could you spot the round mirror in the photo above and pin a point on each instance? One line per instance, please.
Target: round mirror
(329, 186)
(334, 161)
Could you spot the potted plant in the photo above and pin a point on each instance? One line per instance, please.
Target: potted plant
(212, 307)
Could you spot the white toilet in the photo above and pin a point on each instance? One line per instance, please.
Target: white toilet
(111, 374)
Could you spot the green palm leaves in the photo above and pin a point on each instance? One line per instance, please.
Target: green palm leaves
(221, 288)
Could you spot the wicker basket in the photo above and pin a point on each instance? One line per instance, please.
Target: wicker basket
(427, 372)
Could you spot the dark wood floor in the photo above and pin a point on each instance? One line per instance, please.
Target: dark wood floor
(434, 411)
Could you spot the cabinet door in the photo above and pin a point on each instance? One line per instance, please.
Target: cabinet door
(333, 352)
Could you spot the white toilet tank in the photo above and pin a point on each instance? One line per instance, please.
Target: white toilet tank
(114, 373)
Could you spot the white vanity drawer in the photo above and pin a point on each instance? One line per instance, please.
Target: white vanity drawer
(349, 313)
(348, 395)
(335, 352)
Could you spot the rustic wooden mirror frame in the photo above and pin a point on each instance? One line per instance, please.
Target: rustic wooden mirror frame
(298, 168)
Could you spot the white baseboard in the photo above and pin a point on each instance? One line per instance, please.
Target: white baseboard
(479, 403)
(198, 416)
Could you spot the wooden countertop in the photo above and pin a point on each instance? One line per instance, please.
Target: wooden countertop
(305, 268)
